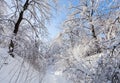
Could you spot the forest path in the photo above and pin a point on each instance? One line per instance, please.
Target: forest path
(13, 71)
(54, 76)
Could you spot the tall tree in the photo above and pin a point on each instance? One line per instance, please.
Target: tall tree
(92, 28)
(87, 22)
(27, 15)
(25, 31)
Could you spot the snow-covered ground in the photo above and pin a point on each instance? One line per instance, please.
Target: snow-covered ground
(53, 76)
(15, 70)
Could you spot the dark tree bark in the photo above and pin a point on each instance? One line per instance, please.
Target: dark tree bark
(93, 32)
(16, 28)
(17, 25)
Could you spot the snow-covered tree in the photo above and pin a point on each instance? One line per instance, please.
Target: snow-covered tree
(24, 30)
(85, 51)
(25, 22)
(90, 36)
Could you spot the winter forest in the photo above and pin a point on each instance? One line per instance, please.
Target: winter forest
(59, 41)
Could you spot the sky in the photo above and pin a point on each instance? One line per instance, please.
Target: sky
(59, 16)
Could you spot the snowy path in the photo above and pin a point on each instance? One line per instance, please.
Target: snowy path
(53, 76)
(13, 72)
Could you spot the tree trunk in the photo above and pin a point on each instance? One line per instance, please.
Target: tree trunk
(16, 28)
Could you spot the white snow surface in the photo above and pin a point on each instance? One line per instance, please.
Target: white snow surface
(54, 76)
(15, 70)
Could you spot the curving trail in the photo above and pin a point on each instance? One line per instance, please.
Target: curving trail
(12, 70)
